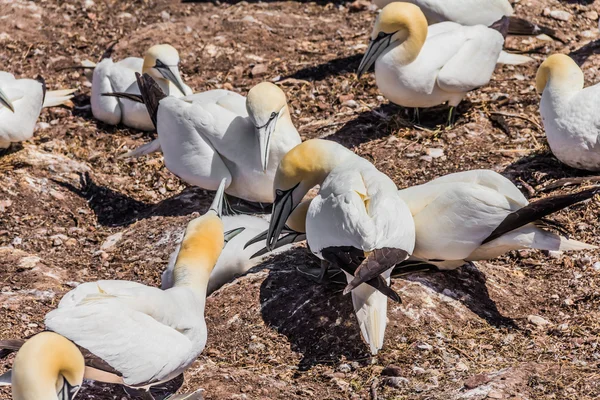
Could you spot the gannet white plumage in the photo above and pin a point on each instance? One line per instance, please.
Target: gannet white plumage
(21, 101)
(480, 215)
(570, 112)
(160, 61)
(226, 136)
(357, 215)
(420, 67)
(147, 336)
(46, 367)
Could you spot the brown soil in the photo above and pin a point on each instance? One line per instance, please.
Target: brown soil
(272, 334)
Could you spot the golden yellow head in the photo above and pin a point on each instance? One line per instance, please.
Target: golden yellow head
(202, 243)
(46, 364)
(406, 23)
(164, 53)
(263, 100)
(561, 70)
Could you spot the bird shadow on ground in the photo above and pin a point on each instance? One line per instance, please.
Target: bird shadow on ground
(338, 66)
(319, 320)
(117, 209)
(583, 53)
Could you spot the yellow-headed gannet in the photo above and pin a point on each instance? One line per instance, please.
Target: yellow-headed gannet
(420, 67)
(47, 367)
(570, 112)
(357, 222)
(21, 101)
(160, 61)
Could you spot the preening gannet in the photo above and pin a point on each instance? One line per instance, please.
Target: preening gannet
(21, 101)
(145, 336)
(47, 367)
(160, 61)
(570, 112)
(420, 67)
(241, 139)
(357, 221)
(479, 215)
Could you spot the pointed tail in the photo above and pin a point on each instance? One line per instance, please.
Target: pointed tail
(370, 306)
(145, 149)
(151, 93)
(58, 97)
(513, 59)
(520, 26)
(546, 240)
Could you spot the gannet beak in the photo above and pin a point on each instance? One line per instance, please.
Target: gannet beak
(376, 47)
(67, 392)
(232, 233)
(258, 238)
(217, 204)
(170, 73)
(282, 208)
(290, 238)
(5, 101)
(264, 134)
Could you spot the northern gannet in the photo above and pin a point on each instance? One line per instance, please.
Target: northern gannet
(420, 67)
(357, 221)
(46, 367)
(569, 112)
(144, 336)
(21, 101)
(241, 139)
(480, 215)
(160, 61)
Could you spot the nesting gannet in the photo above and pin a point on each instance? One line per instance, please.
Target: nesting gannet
(420, 67)
(160, 61)
(569, 112)
(235, 259)
(21, 101)
(146, 336)
(357, 221)
(227, 137)
(479, 215)
(47, 367)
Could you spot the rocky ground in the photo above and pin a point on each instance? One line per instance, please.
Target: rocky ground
(524, 326)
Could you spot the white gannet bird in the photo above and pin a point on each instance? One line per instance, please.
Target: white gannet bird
(357, 221)
(420, 67)
(21, 101)
(141, 335)
(235, 259)
(47, 367)
(480, 215)
(241, 139)
(160, 61)
(569, 112)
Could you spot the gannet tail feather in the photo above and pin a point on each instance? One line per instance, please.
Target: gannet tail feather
(538, 210)
(370, 306)
(151, 93)
(145, 149)
(520, 26)
(129, 96)
(501, 26)
(378, 262)
(513, 59)
(58, 97)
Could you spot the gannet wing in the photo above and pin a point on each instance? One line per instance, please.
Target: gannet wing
(473, 64)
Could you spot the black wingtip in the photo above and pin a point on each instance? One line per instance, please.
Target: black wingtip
(522, 27)
(151, 93)
(502, 26)
(41, 80)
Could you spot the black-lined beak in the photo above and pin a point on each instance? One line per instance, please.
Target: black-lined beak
(264, 134)
(170, 73)
(217, 204)
(282, 209)
(68, 391)
(376, 47)
(232, 233)
(258, 238)
(290, 238)
(5, 101)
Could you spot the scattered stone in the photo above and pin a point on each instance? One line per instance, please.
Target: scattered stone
(345, 97)
(593, 15)
(345, 368)
(476, 381)
(425, 346)
(557, 14)
(537, 320)
(259, 70)
(111, 241)
(495, 394)
(568, 302)
(435, 152)
(396, 382)
(392, 370)
(359, 5)
(256, 347)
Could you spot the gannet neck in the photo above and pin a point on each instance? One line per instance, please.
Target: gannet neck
(560, 76)
(408, 26)
(45, 365)
(200, 250)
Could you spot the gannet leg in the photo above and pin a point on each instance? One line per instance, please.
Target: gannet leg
(416, 116)
(451, 115)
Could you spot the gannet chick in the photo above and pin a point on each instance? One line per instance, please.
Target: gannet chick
(420, 67)
(235, 259)
(47, 367)
(21, 101)
(480, 215)
(229, 137)
(160, 61)
(357, 222)
(145, 336)
(569, 112)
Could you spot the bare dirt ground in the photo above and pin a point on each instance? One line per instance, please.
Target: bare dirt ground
(70, 211)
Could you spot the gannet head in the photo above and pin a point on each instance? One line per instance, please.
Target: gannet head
(162, 62)
(5, 101)
(559, 69)
(203, 242)
(397, 23)
(301, 169)
(47, 365)
(266, 104)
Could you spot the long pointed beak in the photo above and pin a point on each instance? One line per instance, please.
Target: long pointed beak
(264, 134)
(282, 208)
(376, 47)
(172, 74)
(290, 238)
(258, 238)
(6, 102)
(232, 233)
(217, 204)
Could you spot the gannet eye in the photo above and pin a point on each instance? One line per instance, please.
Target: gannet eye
(279, 192)
(381, 35)
(273, 115)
